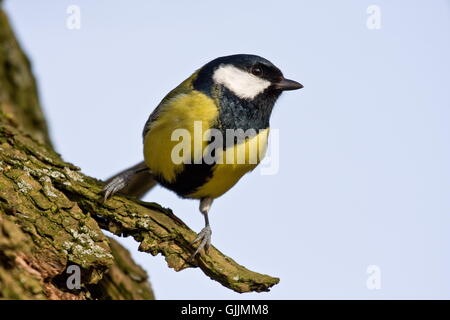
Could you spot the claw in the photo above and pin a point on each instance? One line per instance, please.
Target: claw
(204, 237)
(114, 186)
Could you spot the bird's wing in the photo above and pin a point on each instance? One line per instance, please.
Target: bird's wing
(183, 88)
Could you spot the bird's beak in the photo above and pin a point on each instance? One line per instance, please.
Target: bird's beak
(286, 84)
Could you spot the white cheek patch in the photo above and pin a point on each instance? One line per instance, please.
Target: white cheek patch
(243, 84)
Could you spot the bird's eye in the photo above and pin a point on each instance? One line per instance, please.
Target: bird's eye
(257, 71)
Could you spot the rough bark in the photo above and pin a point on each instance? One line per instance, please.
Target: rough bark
(51, 214)
(42, 232)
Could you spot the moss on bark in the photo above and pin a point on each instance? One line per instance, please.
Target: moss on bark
(42, 231)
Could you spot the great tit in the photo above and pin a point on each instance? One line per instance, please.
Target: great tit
(236, 93)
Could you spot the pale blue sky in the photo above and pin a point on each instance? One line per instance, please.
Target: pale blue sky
(364, 157)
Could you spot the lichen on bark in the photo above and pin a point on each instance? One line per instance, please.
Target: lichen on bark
(42, 232)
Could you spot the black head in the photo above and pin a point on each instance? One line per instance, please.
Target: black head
(244, 75)
(245, 88)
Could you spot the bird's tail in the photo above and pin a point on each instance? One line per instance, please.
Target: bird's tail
(138, 183)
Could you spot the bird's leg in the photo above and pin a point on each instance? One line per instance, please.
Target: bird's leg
(121, 180)
(205, 234)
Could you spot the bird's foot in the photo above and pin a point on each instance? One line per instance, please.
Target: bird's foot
(116, 184)
(204, 237)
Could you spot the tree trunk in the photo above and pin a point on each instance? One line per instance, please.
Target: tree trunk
(43, 232)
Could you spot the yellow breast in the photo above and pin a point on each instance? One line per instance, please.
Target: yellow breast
(234, 162)
(185, 112)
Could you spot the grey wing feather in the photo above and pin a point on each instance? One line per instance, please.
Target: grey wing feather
(184, 88)
(153, 116)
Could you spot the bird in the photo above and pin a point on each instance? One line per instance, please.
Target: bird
(232, 96)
